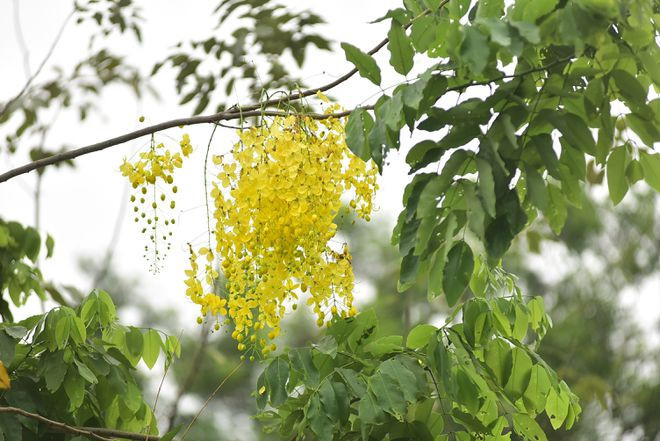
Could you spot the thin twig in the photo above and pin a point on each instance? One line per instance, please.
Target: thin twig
(21, 40)
(224, 380)
(36, 73)
(56, 424)
(153, 409)
(196, 365)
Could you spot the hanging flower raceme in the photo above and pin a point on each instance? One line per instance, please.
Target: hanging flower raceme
(152, 178)
(276, 201)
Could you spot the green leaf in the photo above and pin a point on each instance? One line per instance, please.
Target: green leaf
(457, 272)
(423, 33)
(50, 244)
(277, 375)
(173, 345)
(74, 386)
(400, 370)
(422, 155)
(78, 331)
(521, 369)
(440, 361)
(401, 50)
(486, 186)
(634, 172)
(358, 128)
(408, 272)
(134, 345)
(616, 174)
(573, 128)
(369, 410)
(85, 372)
(527, 428)
(490, 9)
(301, 361)
(54, 372)
(151, 350)
(631, 90)
(536, 394)
(651, 165)
(418, 337)
(7, 348)
(646, 130)
(328, 400)
(169, 436)
(536, 191)
(31, 243)
(62, 329)
(474, 49)
(354, 382)
(499, 360)
(557, 211)
(388, 395)
(385, 345)
(364, 63)
(556, 407)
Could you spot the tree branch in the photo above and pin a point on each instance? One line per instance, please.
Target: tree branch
(234, 112)
(201, 119)
(55, 424)
(97, 433)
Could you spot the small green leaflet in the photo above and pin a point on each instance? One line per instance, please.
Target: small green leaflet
(557, 408)
(419, 336)
(527, 428)
(474, 50)
(358, 128)
(651, 166)
(616, 174)
(151, 350)
(457, 272)
(277, 375)
(50, 244)
(364, 63)
(401, 50)
(422, 33)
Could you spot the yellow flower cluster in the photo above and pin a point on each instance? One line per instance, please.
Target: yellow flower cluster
(154, 167)
(276, 200)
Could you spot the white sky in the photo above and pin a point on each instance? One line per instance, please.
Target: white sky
(80, 206)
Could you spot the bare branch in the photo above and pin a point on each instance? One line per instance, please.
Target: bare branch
(201, 119)
(55, 424)
(97, 433)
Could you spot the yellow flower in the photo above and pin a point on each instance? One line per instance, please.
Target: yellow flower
(276, 199)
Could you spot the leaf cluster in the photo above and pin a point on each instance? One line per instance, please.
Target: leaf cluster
(78, 366)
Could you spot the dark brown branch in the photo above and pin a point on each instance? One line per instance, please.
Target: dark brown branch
(202, 119)
(97, 433)
(54, 424)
